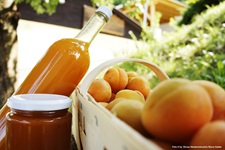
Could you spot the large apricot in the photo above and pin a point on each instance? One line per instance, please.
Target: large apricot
(130, 94)
(211, 136)
(100, 90)
(130, 112)
(117, 78)
(217, 95)
(140, 84)
(176, 109)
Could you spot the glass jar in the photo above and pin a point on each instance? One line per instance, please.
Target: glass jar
(38, 122)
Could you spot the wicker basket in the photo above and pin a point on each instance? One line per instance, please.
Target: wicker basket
(95, 128)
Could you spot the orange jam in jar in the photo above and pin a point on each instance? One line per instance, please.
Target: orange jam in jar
(38, 122)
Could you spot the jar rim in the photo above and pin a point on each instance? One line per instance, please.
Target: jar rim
(39, 102)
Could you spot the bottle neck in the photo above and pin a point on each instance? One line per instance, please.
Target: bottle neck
(92, 27)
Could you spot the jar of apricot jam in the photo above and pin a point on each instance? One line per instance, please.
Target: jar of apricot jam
(38, 122)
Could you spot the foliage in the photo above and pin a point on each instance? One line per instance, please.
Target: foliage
(42, 6)
(195, 51)
(115, 2)
(97, 3)
(195, 8)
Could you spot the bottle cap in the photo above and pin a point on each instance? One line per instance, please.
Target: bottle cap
(105, 10)
(39, 102)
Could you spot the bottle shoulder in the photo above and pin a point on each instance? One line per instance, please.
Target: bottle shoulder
(69, 44)
(71, 40)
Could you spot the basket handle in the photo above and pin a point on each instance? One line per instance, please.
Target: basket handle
(83, 87)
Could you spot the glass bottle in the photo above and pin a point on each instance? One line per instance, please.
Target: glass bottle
(63, 65)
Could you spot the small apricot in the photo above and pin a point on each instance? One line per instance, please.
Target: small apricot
(129, 111)
(131, 74)
(117, 78)
(130, 94)
(113, 95)
(140, 84)
(100, 90)
(114, 102)
(104, 104)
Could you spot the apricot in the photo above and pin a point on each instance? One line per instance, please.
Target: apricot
(130, 94)
(117, 78)
(176, 109)
(131, 74)
(100, 90)
(113, 95)
(114, 102)
(104, 104)
(140, 84)
(129, 111)
(217, 95)
(211, 135)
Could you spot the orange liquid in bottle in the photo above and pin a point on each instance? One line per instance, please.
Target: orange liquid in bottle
(58, 72)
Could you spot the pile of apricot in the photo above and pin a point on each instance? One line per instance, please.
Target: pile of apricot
(177, 113)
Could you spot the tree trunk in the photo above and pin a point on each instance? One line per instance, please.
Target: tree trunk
(9, 18)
